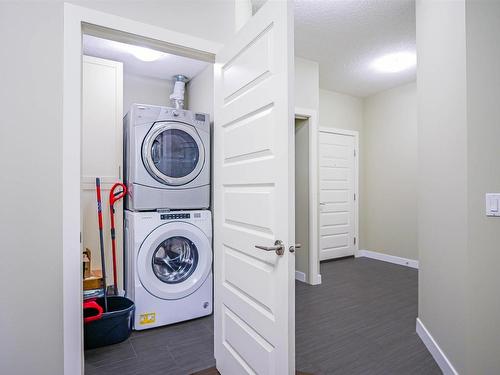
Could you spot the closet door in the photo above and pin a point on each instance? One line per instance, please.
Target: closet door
(102, 116)
(337, 174)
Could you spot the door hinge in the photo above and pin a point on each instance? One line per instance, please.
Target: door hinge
(354, 152)
(354, 196)
(354, 240)
(80, 237)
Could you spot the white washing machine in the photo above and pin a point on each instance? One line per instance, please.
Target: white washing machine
(166, 158)
(168, 266)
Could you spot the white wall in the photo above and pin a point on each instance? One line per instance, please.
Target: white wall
(389, 156)
(31, 35)
(145, 90)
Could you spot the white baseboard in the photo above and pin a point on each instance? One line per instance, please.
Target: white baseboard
(436, 352)
(387, 258)
(301, 276)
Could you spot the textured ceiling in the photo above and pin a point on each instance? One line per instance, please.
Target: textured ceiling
(164, 68)
(344, 37)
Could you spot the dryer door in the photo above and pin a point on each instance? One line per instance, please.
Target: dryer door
(174, 260)
(173, 153)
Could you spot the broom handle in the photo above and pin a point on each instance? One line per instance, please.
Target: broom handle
(101, 240)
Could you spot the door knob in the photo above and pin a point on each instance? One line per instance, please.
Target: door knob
(278, 247)
(296, 246)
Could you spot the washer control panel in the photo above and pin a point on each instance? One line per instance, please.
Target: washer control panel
(174, 216)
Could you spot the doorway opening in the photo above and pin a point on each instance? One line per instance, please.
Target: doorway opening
(113, 57)
(306, 197)
(163, 227)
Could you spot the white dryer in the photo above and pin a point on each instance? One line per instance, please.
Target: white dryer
(168, 266)
(166, 158)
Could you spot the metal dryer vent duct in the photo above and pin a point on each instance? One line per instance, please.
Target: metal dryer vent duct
(177, 96)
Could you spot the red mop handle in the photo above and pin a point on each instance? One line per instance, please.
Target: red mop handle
(113, 197)
(116, 196)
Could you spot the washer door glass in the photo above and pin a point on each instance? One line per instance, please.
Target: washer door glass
(173, 153)
(175, 259)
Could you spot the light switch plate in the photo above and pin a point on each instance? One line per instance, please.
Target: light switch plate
(493, 204)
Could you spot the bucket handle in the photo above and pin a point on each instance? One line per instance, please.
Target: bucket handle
(92, 305)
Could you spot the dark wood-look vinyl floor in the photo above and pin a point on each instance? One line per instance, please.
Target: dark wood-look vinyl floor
(360, 320)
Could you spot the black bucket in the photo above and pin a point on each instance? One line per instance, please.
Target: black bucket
(113, 327)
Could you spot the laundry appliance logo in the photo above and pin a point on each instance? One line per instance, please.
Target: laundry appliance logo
(147, 318)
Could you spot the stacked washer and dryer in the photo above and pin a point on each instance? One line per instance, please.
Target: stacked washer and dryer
(168, 225)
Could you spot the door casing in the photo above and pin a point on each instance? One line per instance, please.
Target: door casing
(78, 19)
(311, 115)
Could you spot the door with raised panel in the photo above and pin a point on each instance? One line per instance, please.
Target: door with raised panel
(337, 174)
(254, 197)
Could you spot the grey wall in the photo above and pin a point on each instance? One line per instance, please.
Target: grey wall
(208, 19)
(458, 111)
(200, 92)
(306, 84)
(483, 169)
(340, 111)
(31, 35)
(31, 336)
(389, 156)
(145, 90)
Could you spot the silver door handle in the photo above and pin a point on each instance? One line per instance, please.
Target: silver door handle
(278, 247)
(296, 246)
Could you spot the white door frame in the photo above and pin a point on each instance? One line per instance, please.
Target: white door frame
(314, 277)
(75, 17)
(355, 134)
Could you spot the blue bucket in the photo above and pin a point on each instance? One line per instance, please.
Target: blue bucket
(113, 327)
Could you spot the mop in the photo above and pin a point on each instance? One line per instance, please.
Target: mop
(113, 197)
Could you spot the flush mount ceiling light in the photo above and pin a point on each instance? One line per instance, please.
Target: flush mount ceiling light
(145, 54)
(395, 62)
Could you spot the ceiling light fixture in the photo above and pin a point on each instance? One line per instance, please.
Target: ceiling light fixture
(395, 62)
(145, 54)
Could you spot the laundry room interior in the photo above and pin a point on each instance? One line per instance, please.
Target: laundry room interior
(146, 134)
(114, 79)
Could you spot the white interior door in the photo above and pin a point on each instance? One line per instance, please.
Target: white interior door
(254, 197)
(337, 176)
